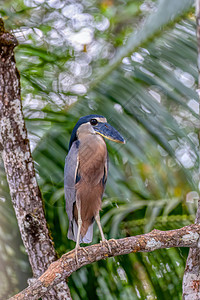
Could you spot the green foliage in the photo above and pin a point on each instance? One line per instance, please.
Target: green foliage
(150, 97)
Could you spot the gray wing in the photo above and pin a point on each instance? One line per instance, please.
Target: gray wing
(70, 172)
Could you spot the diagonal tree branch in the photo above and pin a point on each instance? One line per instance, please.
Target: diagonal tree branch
(187, 236)
(19, 167)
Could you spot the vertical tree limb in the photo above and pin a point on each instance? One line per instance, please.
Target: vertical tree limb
(19, 167)
(191, 278)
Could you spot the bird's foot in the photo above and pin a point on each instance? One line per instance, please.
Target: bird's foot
(76, 253)
(84, 250)
(104, 241)
(115, 241)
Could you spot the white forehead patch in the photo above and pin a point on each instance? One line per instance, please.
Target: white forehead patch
(103, 120)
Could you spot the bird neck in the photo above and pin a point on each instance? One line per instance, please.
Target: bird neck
(91, 138)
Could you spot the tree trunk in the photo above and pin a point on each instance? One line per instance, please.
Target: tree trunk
(191, 278)
(19, 167)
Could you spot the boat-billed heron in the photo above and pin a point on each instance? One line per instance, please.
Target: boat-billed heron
(85, 175)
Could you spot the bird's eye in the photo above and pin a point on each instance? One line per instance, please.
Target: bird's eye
(93, 122)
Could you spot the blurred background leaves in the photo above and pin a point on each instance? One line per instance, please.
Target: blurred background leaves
(134, 63)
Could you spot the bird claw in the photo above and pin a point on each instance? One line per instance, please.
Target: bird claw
(76, 253)
(107, 244)
(84, 250)
(115, 241)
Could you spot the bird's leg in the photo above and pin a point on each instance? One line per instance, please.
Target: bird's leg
(78, 205)
(97, 218)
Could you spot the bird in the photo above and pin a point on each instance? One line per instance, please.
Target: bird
(85, 176)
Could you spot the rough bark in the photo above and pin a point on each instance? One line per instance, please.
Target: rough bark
(191, 278)
(19, 167)
(187, 236)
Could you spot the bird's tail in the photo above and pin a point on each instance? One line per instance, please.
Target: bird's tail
(89, 235)
(73, 231)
